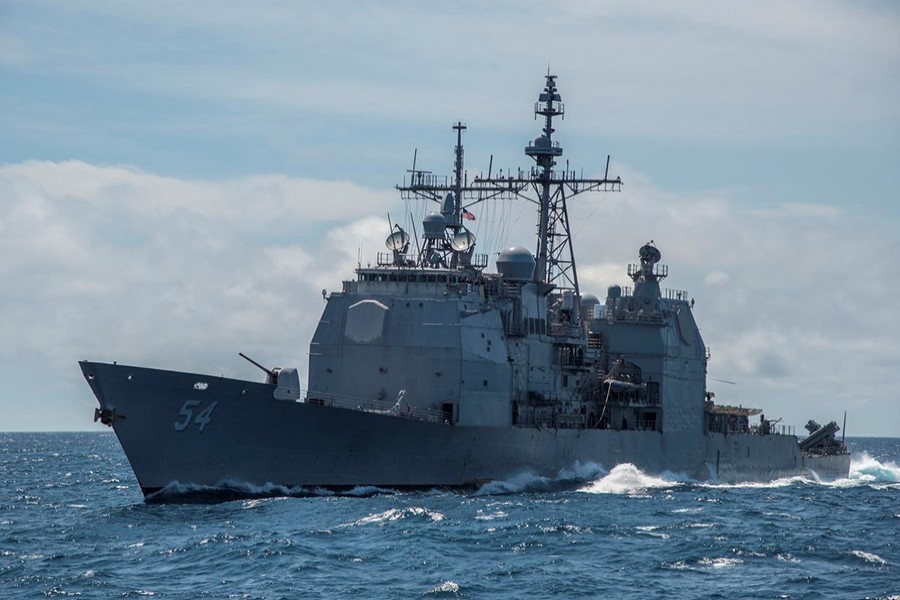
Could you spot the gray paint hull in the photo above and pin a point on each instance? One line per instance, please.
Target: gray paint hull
(197, 429)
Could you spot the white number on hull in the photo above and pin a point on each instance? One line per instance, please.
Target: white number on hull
(187, 413)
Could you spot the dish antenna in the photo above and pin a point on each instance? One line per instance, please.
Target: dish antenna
(463, 240)
(397, 241)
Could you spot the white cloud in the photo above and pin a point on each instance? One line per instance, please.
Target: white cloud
(795, 302)
(727, 70)
(116, 262)
(113, 263)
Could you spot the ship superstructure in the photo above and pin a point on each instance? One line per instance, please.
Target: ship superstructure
(428, 370)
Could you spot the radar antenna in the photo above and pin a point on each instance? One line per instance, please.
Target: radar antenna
(555, 260)
(548, 188)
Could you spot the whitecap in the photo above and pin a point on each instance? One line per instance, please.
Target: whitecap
(368, 490)
(515, 484)
(775, 483)
(448, 588)
(867, 469)
(581, 472)
(628, 479)
(651, 531)
(396, 514)
(227, 487)
(719, 563)
(787, 557)
(481, 516)
(869, 557)
(528, 481)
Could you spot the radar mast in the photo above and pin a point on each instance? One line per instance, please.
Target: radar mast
(547, 187)
(555, 260)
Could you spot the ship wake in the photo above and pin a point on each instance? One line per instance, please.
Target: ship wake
(627, 479)
(591, 478)
(527, 481)
(868, 469)
(865, 470)
(228, 490)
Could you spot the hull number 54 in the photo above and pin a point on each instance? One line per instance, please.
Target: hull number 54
(202, 418)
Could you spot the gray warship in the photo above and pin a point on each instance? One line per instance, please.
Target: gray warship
(426, 370)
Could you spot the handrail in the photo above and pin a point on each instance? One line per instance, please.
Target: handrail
(393, 408)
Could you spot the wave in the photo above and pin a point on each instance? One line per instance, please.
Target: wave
(397, 514)
(775, 483)
(625, 478)
(628, 479)
(227, 490)
(872, 559)
(448, 588)
(528, 481)
(703, 564)
(868, 469)
(865, 470)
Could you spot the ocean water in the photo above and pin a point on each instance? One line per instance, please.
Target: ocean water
(73, 523)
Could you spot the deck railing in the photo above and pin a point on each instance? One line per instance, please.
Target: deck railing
(392, 408)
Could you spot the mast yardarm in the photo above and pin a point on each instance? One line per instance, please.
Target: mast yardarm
(548, 187)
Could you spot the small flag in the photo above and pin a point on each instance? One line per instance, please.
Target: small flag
(467, 215)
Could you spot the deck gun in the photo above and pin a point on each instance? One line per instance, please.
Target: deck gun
(286, 381)
(271, 374)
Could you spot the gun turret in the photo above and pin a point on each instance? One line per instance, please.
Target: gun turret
(271, 374)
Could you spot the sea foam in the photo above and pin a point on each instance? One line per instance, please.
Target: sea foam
(527, 481)
(868, 469)
(628, 479)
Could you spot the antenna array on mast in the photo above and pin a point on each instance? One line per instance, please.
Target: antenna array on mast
(555, 257)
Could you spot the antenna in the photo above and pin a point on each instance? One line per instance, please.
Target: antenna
(463, 240)
(541, 184)
(412, 172)
(415, 235)
(398, 240)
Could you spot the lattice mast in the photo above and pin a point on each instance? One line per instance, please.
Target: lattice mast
(448, 243)
(555, 260)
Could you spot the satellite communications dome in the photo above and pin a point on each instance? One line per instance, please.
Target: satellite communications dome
(433, 225)
(588, 302)
(516, 264)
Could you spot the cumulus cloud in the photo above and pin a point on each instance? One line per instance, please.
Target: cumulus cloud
(114, 263)
(794, 301)
(794, 286)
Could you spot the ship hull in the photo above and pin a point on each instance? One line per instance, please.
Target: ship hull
(209, 431)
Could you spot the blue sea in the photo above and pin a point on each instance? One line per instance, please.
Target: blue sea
(73, 523)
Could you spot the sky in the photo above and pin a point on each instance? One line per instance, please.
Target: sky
(179, 181)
